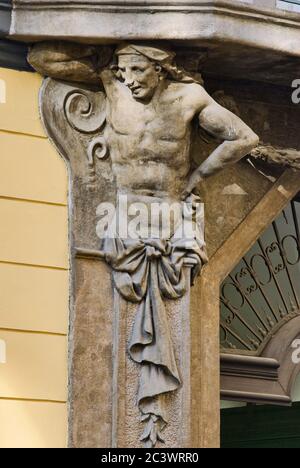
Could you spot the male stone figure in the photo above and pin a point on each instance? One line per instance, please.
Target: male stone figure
(151, 105)
(150, 108)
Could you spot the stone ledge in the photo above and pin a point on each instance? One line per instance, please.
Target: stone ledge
(152, 5)
(201, 22)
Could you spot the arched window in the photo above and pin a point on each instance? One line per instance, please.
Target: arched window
(260, 316)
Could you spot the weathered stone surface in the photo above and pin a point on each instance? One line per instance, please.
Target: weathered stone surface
(228, 198)
(177, 433)
(269, 111)
(277, 156)
(205, 307)
(144, 121)
(199, 21)
(91, 356)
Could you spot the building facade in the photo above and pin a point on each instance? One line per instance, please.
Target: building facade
(64, 343)
(34, 272)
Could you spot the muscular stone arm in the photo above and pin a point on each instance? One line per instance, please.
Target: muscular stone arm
(69, 61)
(238, 140)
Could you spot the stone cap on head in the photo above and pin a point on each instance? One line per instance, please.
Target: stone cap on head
(163, 56)
(149, 50)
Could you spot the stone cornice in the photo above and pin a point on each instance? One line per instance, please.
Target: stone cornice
(195, 20)
(153, 6)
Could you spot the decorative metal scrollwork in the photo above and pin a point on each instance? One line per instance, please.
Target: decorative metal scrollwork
(263, 291)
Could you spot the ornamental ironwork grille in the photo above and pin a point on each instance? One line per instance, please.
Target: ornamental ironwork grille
(263, 292)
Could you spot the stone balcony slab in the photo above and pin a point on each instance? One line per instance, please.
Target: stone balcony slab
(194, 20)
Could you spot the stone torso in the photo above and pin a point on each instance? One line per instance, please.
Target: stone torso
(149, 143)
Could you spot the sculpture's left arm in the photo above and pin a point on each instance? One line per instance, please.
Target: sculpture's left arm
(238, 140)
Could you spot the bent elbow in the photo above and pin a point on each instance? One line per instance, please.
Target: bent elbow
(254, 140)
(44, 58)
(250, 141)
(37, 60)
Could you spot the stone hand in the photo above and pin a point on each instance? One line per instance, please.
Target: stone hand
(193, 181)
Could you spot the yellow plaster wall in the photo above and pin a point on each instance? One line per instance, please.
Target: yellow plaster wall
(34, 277)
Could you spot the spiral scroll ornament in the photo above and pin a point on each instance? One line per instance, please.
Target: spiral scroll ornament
(85, 112)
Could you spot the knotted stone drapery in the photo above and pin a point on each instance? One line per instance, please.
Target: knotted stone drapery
(147, 272)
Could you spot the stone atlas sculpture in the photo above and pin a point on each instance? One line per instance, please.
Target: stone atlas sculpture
(144, 109)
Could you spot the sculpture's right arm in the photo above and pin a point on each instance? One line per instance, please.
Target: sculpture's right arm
(69, 61)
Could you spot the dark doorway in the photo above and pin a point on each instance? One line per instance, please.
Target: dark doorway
(260, 427)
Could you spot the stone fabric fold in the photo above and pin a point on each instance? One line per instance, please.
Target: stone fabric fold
(149, 272)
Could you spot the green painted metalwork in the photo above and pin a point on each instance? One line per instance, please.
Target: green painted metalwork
(260, 427)
(263, 291)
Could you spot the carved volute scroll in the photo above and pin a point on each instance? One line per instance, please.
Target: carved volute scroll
(66, 110)
(86, 114)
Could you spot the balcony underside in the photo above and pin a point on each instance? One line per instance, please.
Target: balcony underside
(238, 39)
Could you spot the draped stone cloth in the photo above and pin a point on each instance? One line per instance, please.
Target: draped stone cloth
(148, 272)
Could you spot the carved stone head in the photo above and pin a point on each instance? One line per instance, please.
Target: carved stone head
(141, 68)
